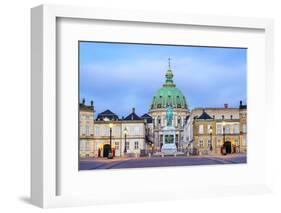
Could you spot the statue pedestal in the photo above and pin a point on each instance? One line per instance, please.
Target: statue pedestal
(169, 141)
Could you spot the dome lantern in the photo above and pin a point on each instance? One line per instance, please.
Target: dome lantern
(169, 76)
(169, 94)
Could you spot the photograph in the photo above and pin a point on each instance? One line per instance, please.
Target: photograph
(161, 105)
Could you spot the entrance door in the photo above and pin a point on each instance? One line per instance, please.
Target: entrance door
(106, 150)
(227, 146)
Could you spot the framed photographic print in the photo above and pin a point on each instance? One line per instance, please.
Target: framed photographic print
(171, 130)
(148, 105)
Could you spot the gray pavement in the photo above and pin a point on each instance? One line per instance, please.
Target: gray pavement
(118, 163)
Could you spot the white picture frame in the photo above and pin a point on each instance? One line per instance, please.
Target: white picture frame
(44, 149)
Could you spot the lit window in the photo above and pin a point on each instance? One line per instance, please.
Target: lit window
(219, 129)
(236, 129)
(227, 130)
(201, 129)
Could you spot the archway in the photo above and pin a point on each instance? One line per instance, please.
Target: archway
(106, 150)
(227, 146)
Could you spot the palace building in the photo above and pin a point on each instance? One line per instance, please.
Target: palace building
(86, 116)
(127, 134)
(199, 131)
(208, 130)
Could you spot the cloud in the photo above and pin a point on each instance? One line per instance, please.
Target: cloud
(206, 79)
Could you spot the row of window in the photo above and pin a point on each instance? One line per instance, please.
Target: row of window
(201, 143)
(86, 131)
(105, 131)
(85, 146)
(86, 117)
(136, 145)
(228, 129)
(208, 142)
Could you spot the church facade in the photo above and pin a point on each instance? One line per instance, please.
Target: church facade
(168, 95)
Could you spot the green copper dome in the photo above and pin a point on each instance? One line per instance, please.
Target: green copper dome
(169, 95)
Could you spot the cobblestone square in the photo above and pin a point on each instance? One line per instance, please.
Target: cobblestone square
(145, 162)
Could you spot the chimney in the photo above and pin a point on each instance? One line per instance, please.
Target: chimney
(133, 110)
(83, 101)
(92, 103)
(226, 106)
(241, 103)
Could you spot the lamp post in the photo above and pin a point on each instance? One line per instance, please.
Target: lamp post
(125, 132)
(110, 140)
(211, 134)
(224, 148)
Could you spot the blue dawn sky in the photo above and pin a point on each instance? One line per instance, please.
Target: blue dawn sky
(121, 76)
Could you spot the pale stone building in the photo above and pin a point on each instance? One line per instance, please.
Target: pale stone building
(209, 130)
(86, 119)
(169, 94)
(131, 128)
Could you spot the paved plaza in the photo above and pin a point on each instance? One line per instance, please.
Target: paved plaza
(118, 163)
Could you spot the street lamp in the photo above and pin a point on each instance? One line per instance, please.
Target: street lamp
(125, 132)
(110, 140)
(223, 126)
(211, 133)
